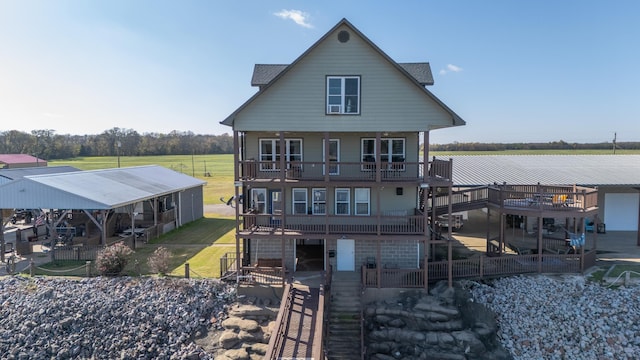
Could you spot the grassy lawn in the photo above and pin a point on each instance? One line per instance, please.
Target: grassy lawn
(619, 269)
(200, 243)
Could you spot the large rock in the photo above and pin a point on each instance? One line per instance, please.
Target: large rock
(237, 354)
(228, 339)
(468, 341)
(236, 323)
(246, 311)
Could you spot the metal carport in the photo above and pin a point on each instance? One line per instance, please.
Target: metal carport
(97, 192)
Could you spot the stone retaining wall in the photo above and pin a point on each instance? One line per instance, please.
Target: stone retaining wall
(441, 324)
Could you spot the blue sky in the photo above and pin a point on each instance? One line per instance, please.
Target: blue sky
(515, 71)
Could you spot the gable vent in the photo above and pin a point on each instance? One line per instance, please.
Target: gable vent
(343, 36)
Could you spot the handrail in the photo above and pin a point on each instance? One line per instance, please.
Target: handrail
(317, 351)
(326, 288)
(363, 347)
(284, 314)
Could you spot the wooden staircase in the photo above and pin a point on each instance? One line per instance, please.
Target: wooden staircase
(344, 320)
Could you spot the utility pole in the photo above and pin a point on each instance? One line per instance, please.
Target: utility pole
(615, 135)
(118, 145)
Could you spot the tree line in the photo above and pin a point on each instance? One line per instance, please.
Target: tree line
(47, 145)
(554, 145)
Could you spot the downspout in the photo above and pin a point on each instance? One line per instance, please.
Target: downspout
(450, 237)
(237, 184)
(283, 176)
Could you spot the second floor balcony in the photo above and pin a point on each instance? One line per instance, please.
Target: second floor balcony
(370, 170)
(387, 223)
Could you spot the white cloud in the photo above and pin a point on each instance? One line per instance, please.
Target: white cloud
(299, 17)
(52, 115)
(450, 68)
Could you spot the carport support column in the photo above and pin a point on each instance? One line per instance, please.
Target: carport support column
(2, 243)
(540, 243)
(103, 227)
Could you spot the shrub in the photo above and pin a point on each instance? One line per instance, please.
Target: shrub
(159, 261)
(112, 259)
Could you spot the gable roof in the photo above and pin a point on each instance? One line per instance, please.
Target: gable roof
(94, 189)
(586, 170)
(456, 120)
(264, 73)
(19, 159)
(7, 175)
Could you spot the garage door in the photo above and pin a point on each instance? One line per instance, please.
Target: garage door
(621, 211)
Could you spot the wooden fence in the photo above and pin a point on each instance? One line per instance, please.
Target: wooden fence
(88, 252)
(479, 268)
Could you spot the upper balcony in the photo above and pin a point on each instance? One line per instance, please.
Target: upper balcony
(542, 199)
(398, 171)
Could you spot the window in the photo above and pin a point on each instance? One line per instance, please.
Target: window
(319, 199)
(391, 151)
(334, 156)
(343, 201)
(299, 201)
(259, 200)
(362, 201)
(343, 95)
(270, 153)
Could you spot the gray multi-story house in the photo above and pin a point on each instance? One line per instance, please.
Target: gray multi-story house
(329, 160)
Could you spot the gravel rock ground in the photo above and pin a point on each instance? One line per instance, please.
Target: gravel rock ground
(563, 317)
(109, 318)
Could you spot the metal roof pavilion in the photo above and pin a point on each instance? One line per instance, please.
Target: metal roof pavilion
(7, 175)
(96, 189)
(586, 170)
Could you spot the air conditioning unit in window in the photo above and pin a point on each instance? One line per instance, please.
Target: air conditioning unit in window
(334, 109)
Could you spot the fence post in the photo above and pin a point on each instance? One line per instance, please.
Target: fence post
(31, 267)
(186, 270)
(88, 268)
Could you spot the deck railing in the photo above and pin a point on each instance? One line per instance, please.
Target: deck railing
(279, 333)
(332, 224)
(478, 268)
(365, 170)
(539, 197)
(228, 264)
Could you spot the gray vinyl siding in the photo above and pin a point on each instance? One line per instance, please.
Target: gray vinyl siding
(389, 100)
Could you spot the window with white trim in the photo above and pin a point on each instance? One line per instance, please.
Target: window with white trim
(299, 197)
(319, 200)
(343, 201)
(392, 150)
(270, 153)
(343, 95)
(259, 200)
(362, 201)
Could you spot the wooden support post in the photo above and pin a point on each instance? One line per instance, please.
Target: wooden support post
(187, 272)
(378, 264)
(540, 244)
(88, 268)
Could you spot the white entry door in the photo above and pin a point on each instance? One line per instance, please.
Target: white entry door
(346, 255)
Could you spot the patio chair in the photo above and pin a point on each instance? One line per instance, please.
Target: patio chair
(371, 262)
